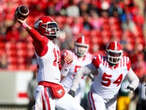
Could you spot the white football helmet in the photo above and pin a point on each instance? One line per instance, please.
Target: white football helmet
(114, 52)
(81, 46)
(47, 27)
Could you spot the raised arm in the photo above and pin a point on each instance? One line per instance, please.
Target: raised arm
(40, 42)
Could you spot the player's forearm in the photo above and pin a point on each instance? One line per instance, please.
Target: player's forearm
(26, 26)
(134, 81)
(21, 15)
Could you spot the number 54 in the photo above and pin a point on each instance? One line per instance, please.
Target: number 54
(106, 80)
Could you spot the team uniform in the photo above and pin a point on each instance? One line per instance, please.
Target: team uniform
(79, 57)
(49, 89)
(48, 75)
(107, 80)
(69, 71)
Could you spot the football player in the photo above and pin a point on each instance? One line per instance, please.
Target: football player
(109, 72)
(80, 57)
(49, 89)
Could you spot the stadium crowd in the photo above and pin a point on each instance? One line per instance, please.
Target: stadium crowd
(99, 20)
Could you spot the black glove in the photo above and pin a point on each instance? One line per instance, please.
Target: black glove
(72, 93)
(130, 88)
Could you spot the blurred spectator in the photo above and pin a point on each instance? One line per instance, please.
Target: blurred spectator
(84, 7)
(3, 61)
(86, 22)
(144, 8)
(72, 10)
(77, 26)
(140, 65)
(95, 20)
(142, 94)
(12, 32)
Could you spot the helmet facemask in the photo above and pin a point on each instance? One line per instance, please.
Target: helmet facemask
(50, 29)
(114, 56)
(81, 50)
(47, 27)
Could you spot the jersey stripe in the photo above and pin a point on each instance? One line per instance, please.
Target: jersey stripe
(47, 98)
(116, 45)
(91, 100)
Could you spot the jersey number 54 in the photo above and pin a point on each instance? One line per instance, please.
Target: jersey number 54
(106, 80)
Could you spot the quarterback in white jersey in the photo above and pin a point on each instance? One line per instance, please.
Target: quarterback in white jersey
(49, 89)
(80, 57)
(109, 72)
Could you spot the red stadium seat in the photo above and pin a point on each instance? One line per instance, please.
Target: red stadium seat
(106, 27)
(12, 60)
(117, 34)
(106, 33)
(2, 45)
(22, 53)
(11, 53)
(12, 67)
(105, 20)
(114, 20)
(22, 66)
(21, 45)
(115, 27)
(30, 46)
(21, 60)
(10, 45)
(86, 33)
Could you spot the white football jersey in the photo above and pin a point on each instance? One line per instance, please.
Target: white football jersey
(109, 78)
(70, 70)
(48, 69)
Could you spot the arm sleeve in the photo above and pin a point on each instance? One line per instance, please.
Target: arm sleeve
(86, 69)
(133, 79)
(39, 42)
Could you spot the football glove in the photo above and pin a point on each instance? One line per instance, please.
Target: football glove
(130, 88)
(72, 93)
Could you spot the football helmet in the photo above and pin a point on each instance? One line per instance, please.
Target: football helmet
(47, 27)
(114, 52)
(81, 46)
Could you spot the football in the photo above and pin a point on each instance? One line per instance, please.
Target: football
(21, 12)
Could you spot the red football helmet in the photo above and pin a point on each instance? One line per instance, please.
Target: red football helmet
(47, 27)
(81, 46)
(114, 52)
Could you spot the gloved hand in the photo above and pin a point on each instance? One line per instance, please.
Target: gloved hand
(130, 88)
(72, 93)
